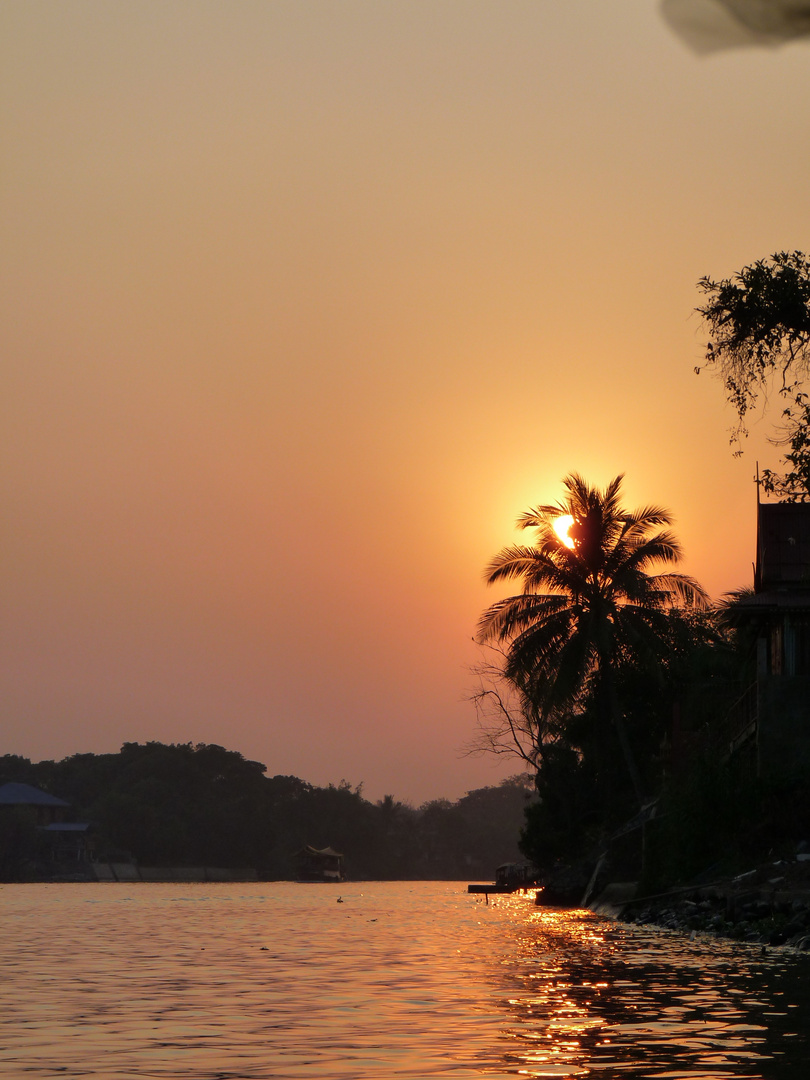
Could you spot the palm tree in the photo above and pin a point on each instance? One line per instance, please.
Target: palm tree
(590, 607)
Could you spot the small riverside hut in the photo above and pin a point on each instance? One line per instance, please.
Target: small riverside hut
(520, 875)
(318, 864)
(70, 841)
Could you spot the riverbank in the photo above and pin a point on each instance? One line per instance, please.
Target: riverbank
(769, 905)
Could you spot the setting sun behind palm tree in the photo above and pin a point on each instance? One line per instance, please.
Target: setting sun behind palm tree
(562, 527)
(590, 604)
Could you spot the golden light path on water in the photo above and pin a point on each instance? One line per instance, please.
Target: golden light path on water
(403, 980)
(598, 997)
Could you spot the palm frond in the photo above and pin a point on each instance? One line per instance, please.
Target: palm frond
(682, 589)
(511, 562)
(587, 607)
(510, 617)
(649, 516)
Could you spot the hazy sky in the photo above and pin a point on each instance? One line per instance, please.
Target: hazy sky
(304, 302)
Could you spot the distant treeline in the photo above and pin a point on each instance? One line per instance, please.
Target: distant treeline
(202, 805)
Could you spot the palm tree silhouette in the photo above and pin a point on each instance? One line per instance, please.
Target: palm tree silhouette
(590, 610)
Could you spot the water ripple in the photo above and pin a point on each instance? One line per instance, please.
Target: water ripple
(402, 980)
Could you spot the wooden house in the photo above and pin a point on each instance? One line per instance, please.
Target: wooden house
(774, 715)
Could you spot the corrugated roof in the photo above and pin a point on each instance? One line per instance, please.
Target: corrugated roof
(66, 826)
(308, 849)
(14, 794)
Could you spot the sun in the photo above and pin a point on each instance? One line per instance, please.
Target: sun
(562, 526)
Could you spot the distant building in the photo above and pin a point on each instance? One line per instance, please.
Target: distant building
(318, 864)
(65, 841)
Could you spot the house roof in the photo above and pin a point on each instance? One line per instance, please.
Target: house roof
(14, 794)
(776, 599)
(326, 853)
(783, 547)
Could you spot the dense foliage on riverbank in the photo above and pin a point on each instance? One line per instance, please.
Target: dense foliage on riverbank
(667, 735)
(181, 804)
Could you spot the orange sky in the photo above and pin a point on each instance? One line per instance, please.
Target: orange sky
(305, 302)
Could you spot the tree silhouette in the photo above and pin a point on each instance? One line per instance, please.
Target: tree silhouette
(759, 321)
(590, 611)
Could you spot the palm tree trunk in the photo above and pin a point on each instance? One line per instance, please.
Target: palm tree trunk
(617, 719)
(629, 758)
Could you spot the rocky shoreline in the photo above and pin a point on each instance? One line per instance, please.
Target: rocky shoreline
(769, 905)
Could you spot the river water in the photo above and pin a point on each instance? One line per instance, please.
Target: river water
(397, 980)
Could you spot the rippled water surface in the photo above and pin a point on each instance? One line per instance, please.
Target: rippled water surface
(403, 979)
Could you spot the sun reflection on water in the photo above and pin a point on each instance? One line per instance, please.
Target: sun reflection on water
(586, 995)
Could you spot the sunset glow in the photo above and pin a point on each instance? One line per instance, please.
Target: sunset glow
(561, 528)
(309, 301)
